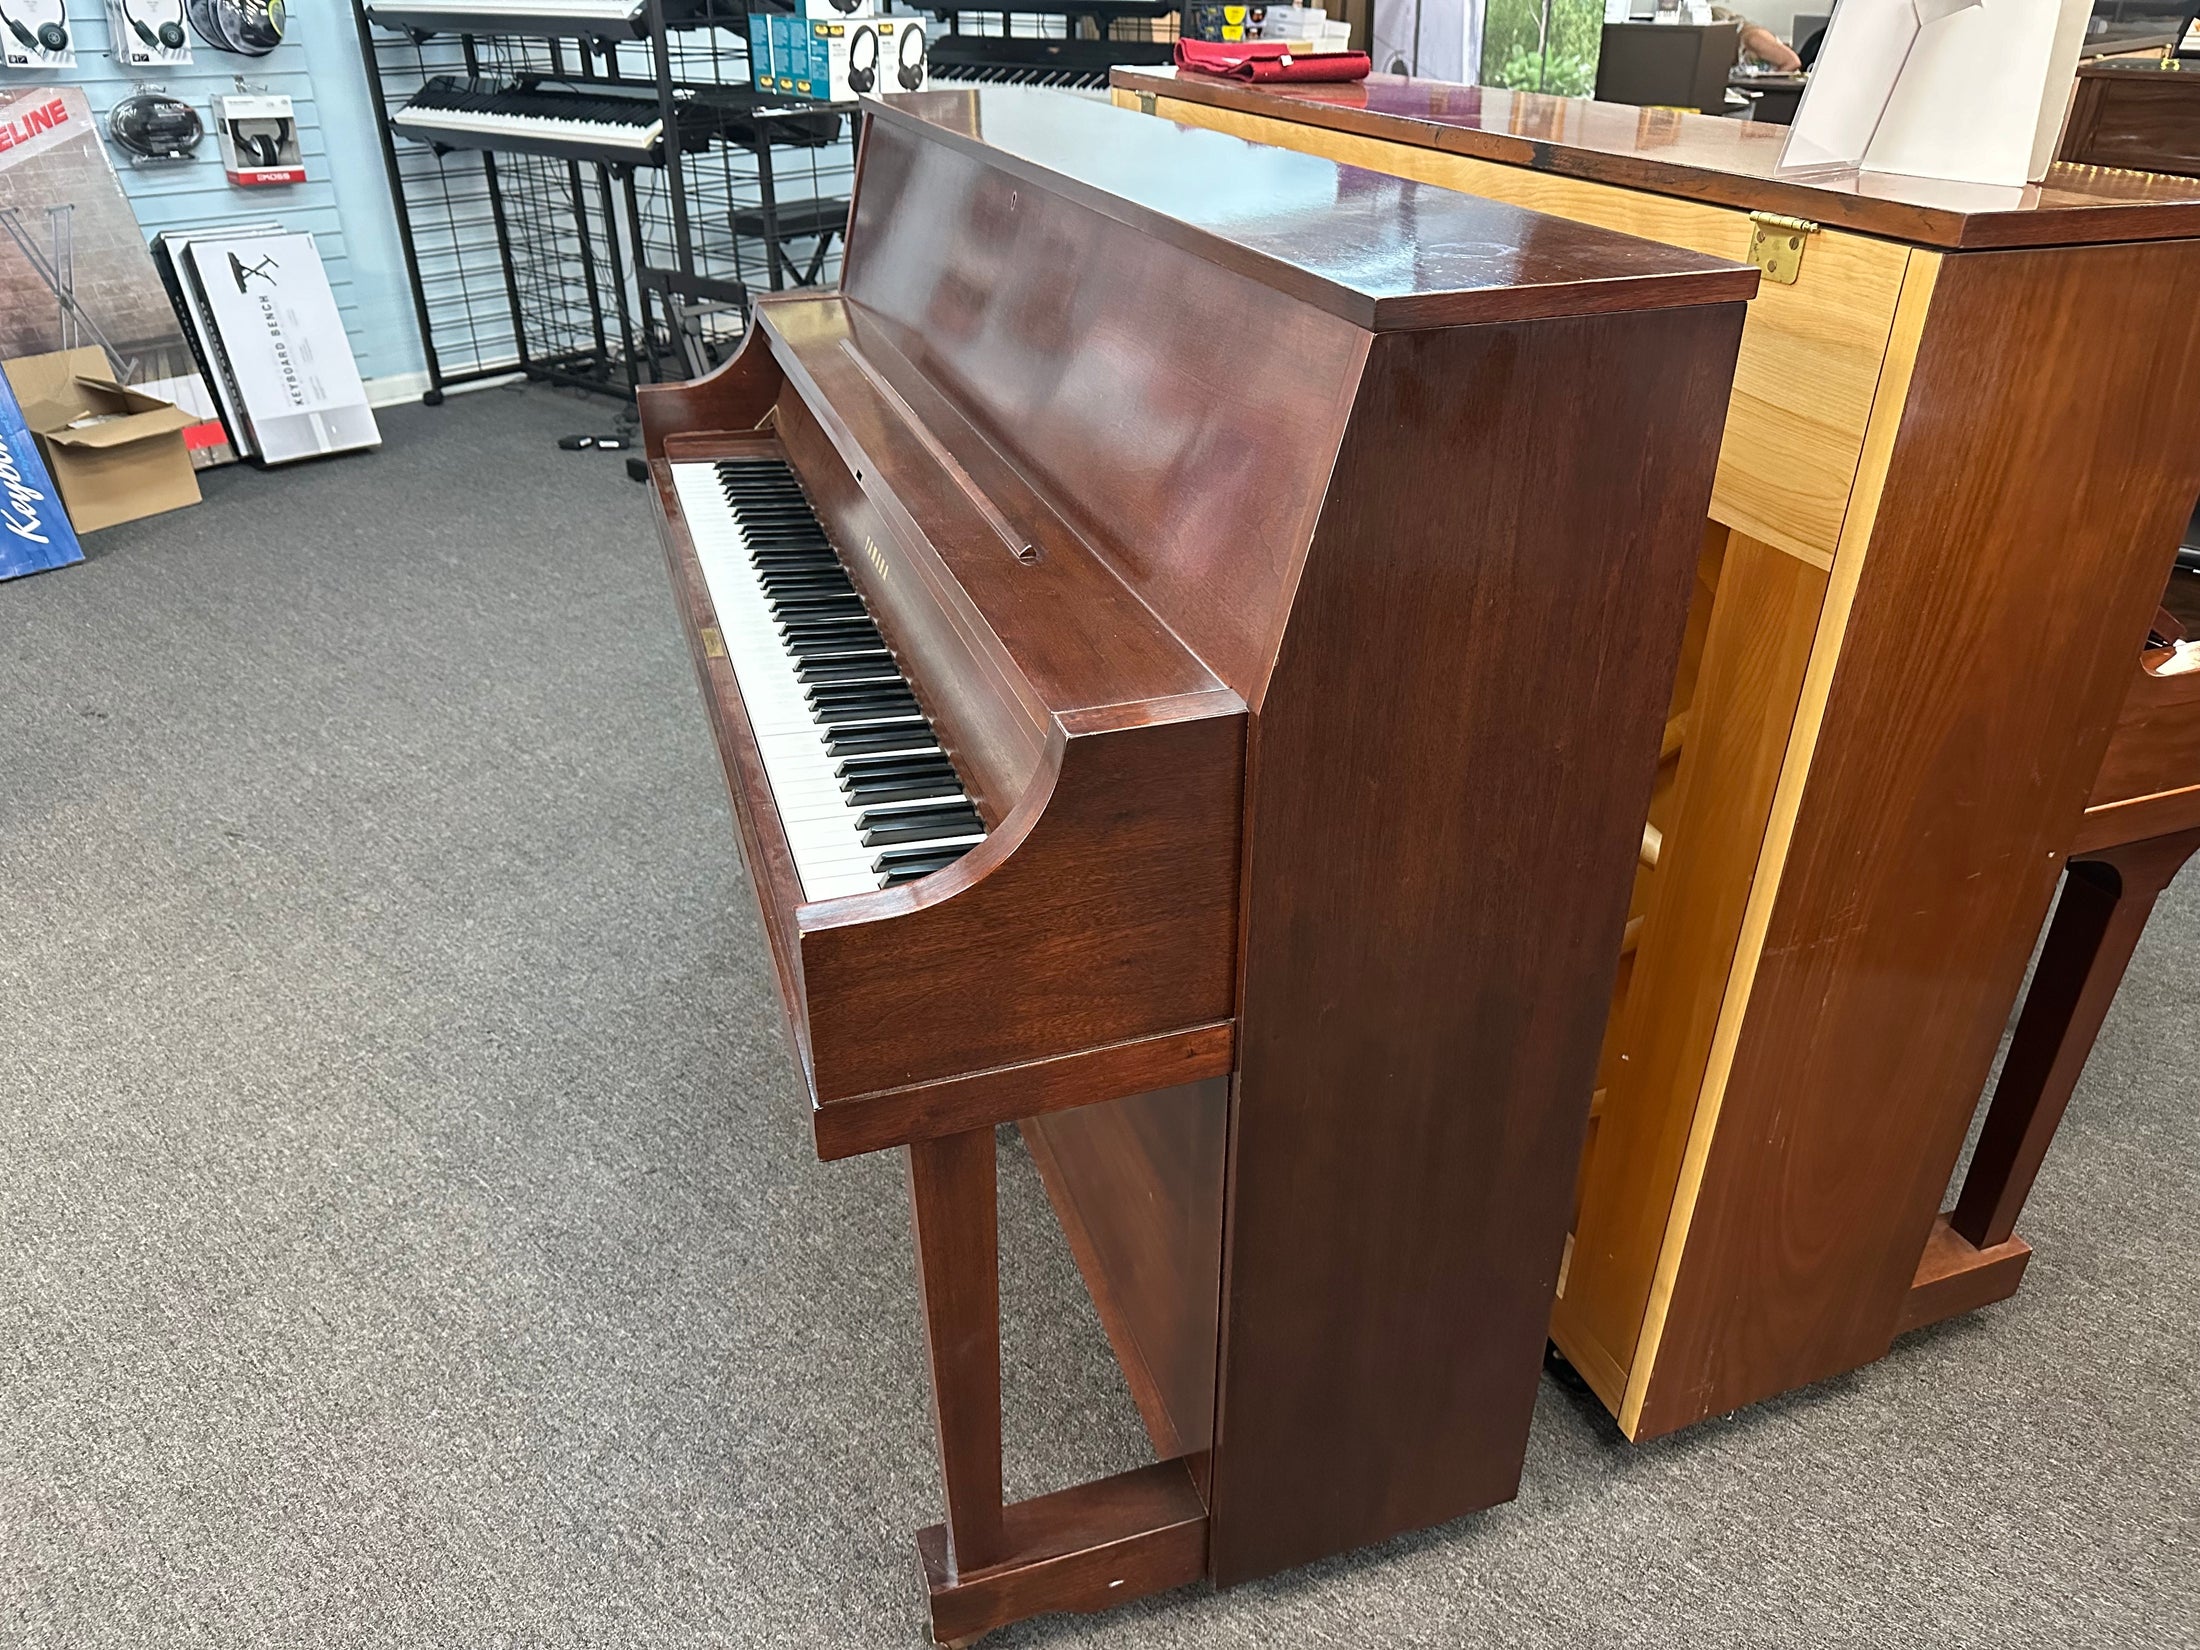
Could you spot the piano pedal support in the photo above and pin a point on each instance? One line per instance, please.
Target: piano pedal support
(1090, 1547)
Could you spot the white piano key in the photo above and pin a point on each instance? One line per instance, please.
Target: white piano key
(816, 815)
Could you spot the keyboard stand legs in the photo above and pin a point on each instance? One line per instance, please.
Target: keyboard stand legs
(2106, 899)
(1086, 1548)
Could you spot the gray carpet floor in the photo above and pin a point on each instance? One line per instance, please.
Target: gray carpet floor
(409, 1233)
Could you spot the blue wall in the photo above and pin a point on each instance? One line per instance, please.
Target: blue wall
(345, 201)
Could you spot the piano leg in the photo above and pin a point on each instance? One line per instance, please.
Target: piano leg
(2106, 900)
(1090, 1547)
(953, 1211)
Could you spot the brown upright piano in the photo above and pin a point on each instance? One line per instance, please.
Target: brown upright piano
(1187, 628)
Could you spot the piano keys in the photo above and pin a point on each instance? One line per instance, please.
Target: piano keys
(1026, 60)
(584, 124)
(857, 774)
(1127, 740)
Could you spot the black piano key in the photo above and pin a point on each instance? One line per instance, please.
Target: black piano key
(858, 786)
(842, 715)
(880, 830)
(855, 667)
(900, 790)
(893, 763)
(899, 865)
(909, 733)
(834, 647)
(879, 699)
(817, 607)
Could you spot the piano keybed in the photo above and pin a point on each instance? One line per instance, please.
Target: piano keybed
(867, 795)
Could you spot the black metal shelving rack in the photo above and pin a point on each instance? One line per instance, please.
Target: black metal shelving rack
(592, 268)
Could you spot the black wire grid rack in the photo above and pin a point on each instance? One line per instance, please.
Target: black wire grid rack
(593, 265)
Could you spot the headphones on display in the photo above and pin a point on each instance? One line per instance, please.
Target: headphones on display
(263, 148)
(863, 58)
(250, 28)
(849, 5)
(155, 126)
(912, 63)
(168, 37)
(46, 39)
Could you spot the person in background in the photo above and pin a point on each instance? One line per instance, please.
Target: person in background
(1759, 42)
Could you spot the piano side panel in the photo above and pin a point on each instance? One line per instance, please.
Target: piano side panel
(1114, 918)
(1137, 1183)
(733, 399)
(1446, 790)
(1182, 417)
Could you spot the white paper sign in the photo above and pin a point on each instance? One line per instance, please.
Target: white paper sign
(1969, 90)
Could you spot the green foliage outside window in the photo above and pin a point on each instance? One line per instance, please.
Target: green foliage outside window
(1542, 45)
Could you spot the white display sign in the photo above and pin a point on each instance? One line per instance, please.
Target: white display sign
(1969, 90)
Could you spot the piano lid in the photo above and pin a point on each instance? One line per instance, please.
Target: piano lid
(1381, 252)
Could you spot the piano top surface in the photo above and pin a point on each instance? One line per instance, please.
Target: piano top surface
(1706, 158)
(1382, 252)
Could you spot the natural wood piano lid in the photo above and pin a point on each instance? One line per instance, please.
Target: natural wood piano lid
(1705, 158)
(1381, 252)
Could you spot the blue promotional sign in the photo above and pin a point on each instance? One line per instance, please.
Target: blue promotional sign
(34, 530)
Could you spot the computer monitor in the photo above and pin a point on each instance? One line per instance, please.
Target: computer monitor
(1681, 65)
(1804, 24)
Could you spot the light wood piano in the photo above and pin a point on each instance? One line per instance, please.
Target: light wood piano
(1953, 476)
(1188, 629)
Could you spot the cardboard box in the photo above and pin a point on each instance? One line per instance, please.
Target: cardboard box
(114, 453)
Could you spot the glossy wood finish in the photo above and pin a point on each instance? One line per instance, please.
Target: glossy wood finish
(1137, 1183)
(1788, 459)
(1947, 512)
(1419, 1017)
(1354, 245)
(1295, 769)
(954, 1220)
(1955, 1276)
(1703, 158)
(1762, 623)
(2104, 908)
(1090, 1547)
(2042, 469)
(2140, 116)
(2149, 783)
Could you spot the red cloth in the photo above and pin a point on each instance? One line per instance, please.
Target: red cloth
(1266, 60)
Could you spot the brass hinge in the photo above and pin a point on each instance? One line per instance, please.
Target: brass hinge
(1777, 243)
(1145, 103)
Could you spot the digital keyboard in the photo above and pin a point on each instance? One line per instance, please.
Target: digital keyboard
(868, 797)
(461, 114)
(598, 19)
(1025, 60)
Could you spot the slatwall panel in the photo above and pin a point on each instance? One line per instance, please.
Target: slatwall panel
(194, 194)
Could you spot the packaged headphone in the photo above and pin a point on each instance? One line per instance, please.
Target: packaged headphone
(155, 126)
(148, 32)
(250, 28)
(34, 34)
(863, 58)
(909, 58)
(259, 138)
